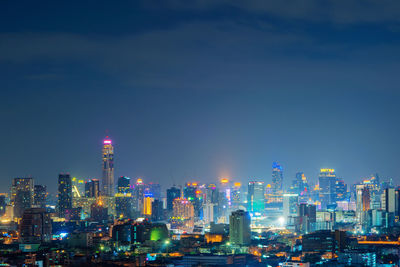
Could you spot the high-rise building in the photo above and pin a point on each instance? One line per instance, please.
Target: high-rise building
(147, 201)
(239, 228)
(307, 218)
(389, 205)
(388, 200)
(290, 202)
(327, 187)
(22, 191)
(40, 196)
(172, 193)
(236, 196)
(397, 205)
(3, 204)
(154, 189)
(157, 210)
(208, 212)
(340, 190)
(255, 196)
(64, 193)
(108, 168)
(123, 185)
(363, 201)
(184, 211)
(99, 212)
(300, 186)
(189, 192)
(92, 188)
(277, 179)
(138, 195)
(78, 187)
(35, 226)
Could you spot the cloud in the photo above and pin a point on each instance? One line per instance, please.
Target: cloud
(334, 11)
(203, 55)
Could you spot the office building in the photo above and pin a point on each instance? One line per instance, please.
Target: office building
(183, 210)
(123, 185)
(255, 197)
(327, 187)
(40, 196)
(123, 205)
(239, 228)
(277, 179)
(172, 194)
(157, 210)
(64, 193)
(290, 203)
(78, 187)
(92, 188)
(22, 192)
(35, 226)
(154, 189)
(138, 195)
(147, 202)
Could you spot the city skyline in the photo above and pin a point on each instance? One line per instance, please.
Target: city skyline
(107, 144)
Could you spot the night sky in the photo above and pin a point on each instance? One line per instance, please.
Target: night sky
(199, 91)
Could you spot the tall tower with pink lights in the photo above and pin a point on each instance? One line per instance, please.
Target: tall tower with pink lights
(108, 168)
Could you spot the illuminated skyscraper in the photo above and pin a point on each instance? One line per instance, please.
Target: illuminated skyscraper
(184, 210)
(290, 207)
(138, 194)
(22, 192)
(40, 196)
(78, 187)
(277, 179)
(255, 197)
(92, 188)
(172, 194)
(64, 193)
(236, 195)
(147, 201)
(327, 186)
(108, 168)
(123, 185)
(239, 228)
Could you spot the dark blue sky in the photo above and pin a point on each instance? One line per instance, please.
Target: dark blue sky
(201, 90)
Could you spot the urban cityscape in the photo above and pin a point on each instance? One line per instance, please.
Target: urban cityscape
(128, 221)
(204, 133)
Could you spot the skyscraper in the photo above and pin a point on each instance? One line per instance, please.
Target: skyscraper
(138, 195)
(35, 226)
(184, 210)
(40, 196)
(147, 201)
(239, 228)
(327, 186)
(277, 179)
(108, 168)
(78, 187)
(123, 185)
(64, 193)
(157, 211)
(255, 196)
(290, 203)
(92, 188)
(22, 192)
(389, 205)
(172, 193)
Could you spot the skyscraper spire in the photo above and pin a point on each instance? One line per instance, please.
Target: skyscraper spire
(108, 168)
